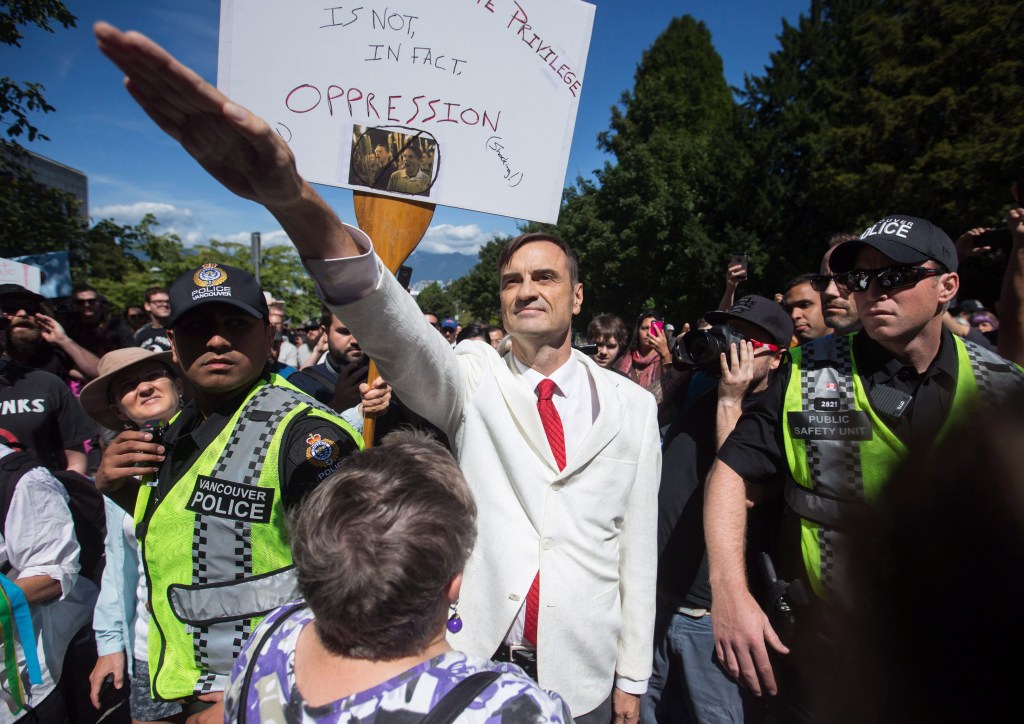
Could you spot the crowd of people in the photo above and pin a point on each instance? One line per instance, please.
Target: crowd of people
(728, 524)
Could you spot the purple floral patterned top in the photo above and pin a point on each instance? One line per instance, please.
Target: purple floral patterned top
(272, 695)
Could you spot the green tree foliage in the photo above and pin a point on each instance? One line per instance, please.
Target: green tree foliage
(436, 300)
(657, 226)
(477, 291)
(33, 218)
(18, 100)
(879, 106)
(122, 262)
(868, 107)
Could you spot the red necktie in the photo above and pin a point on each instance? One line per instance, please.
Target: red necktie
(552, 422)
(556, 439)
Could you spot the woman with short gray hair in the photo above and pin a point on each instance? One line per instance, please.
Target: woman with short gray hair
(379, 549)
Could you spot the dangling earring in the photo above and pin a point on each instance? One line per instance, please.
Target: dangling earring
(454, 624)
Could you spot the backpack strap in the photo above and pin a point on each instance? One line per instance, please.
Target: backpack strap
(452, 704)
(320, 376)
(12, 468)
(254, 655)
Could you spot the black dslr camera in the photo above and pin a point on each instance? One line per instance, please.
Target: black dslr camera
(701, 348)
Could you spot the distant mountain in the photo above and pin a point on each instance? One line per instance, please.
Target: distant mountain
(439, 267)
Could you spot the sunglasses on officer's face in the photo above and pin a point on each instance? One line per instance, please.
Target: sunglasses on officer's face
(889, 279)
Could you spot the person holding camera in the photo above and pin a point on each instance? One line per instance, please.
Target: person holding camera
(835, 423)
(733, 362)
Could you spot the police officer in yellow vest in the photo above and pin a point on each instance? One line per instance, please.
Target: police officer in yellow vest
(836, 421)
(211, 522)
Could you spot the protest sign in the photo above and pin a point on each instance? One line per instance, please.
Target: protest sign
(25, 275)
(467, 103)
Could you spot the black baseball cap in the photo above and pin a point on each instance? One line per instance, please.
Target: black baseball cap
(213, 282)
(757, 310)
(904, 239)
(970, 306)
(19, 292)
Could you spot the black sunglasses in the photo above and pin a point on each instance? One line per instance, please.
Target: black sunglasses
(890, 278)
(820, 282)
(13, 306)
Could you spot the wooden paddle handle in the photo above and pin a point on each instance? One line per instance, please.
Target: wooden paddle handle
(369, 423)
(396, 227)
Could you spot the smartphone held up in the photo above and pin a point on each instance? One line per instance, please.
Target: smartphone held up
(739, 258)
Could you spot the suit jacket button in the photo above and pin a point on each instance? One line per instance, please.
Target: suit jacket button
(547, 544)
(513, 596)
(557, 486)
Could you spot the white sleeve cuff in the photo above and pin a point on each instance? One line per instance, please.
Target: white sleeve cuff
(343, 281)
(66, 576)
(631, 686)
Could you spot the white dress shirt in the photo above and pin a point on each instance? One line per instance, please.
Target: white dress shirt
(39, 540)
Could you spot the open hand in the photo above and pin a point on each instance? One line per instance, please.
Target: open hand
(737, 371)
(52, 330)
(235, 146)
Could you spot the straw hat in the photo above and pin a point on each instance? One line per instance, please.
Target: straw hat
(95, 396)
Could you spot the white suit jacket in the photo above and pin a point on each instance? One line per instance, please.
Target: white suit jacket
(590, 529)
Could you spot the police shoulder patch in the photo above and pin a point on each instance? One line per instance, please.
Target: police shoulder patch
(322, 451)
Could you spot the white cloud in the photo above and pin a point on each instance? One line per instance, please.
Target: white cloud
(267, 238)
(449, 239)
(190, 222)
(173, 219)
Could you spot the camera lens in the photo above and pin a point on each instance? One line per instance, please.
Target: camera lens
(701, 348)
(704, 348)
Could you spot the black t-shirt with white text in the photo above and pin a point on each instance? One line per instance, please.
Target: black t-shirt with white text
(39, 409)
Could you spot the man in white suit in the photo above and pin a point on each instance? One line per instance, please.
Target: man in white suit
(569, 524)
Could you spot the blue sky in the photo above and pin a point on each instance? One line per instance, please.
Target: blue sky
(133, 168)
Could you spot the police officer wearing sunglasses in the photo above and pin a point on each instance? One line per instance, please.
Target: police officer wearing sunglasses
(835, 423)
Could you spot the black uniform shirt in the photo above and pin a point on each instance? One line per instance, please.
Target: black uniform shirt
(299, 472)
(756, 448)
(687, 454)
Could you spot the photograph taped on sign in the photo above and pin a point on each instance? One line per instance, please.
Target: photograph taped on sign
(394, 158)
